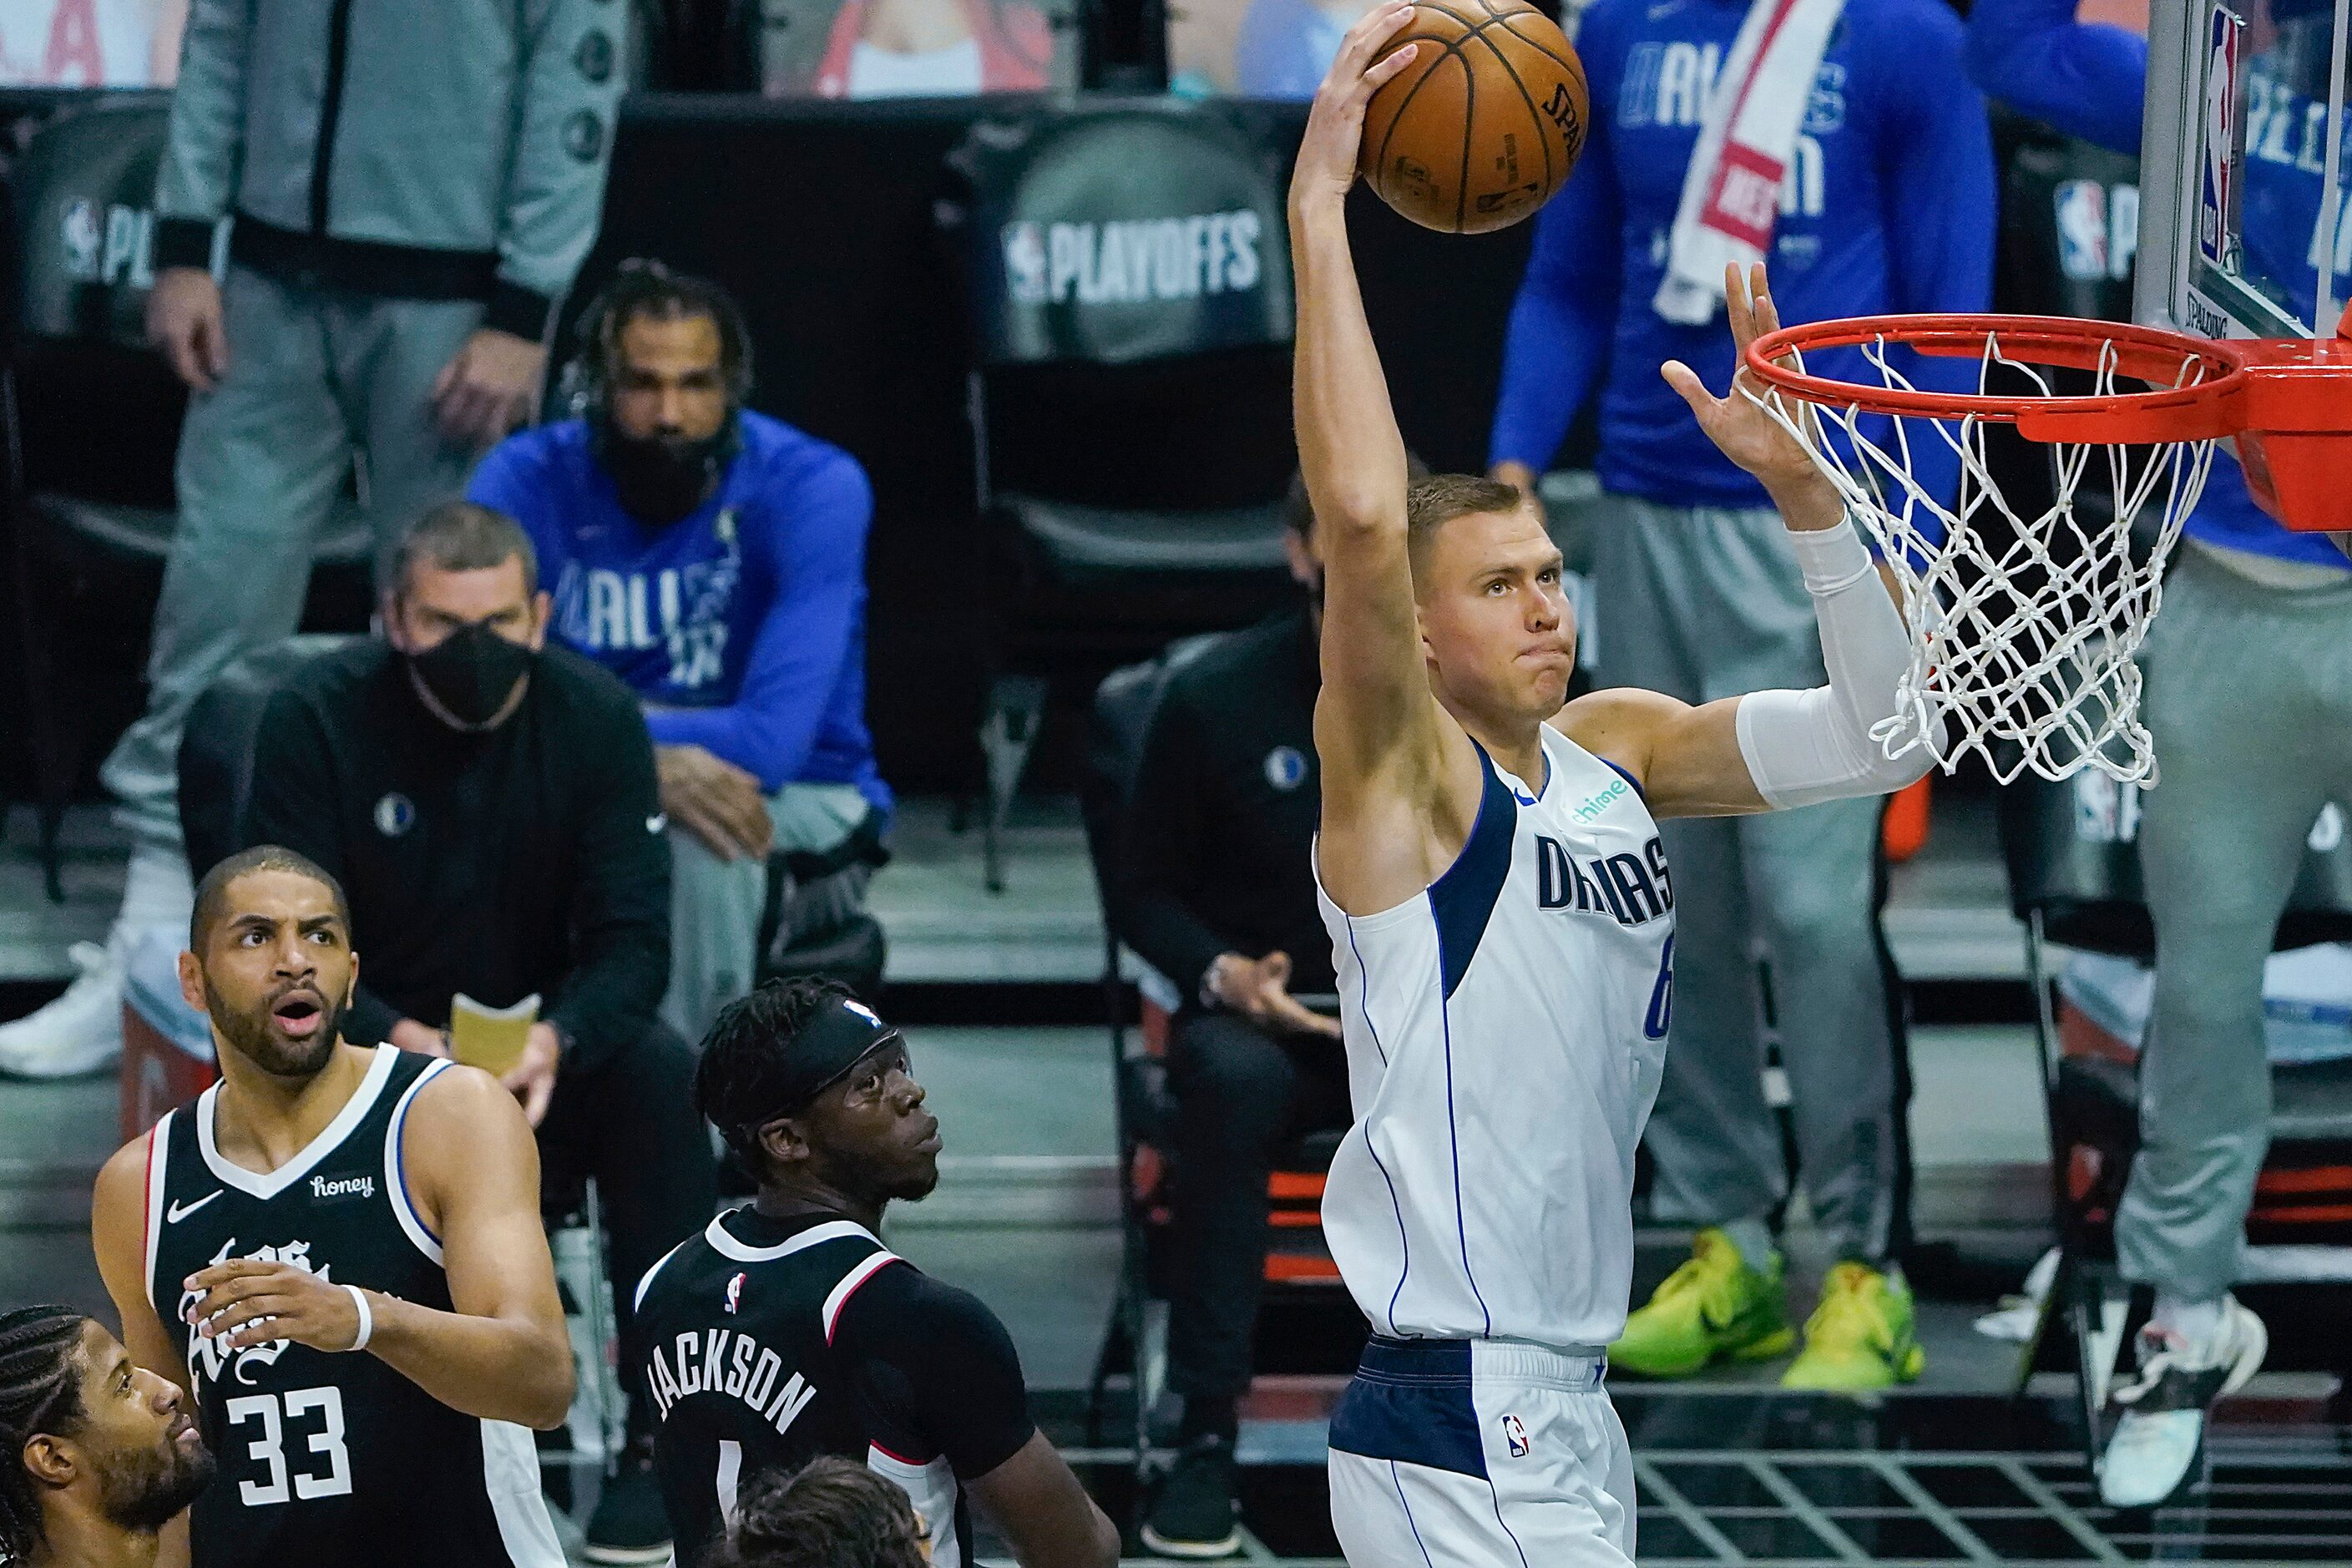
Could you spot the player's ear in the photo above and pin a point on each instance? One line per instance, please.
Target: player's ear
(50, 1461)
(191, 983)
(782, 1141)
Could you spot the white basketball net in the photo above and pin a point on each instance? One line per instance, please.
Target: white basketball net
(2022, 628)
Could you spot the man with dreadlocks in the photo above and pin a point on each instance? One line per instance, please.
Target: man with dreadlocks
(100, 1453)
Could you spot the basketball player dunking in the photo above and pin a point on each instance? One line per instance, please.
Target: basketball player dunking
(1503, 919)
(338, 1251)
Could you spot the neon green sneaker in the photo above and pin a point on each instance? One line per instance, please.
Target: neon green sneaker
(1862, 1336)
(1714, 1307)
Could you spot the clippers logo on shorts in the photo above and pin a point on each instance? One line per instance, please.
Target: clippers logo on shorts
(1132, 261)
(2106, 812)
(207, 1357)
(1515, 1436)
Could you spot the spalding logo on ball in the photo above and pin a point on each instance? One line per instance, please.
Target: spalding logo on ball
(1482, 127)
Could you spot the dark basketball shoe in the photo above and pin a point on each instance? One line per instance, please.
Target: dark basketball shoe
(629, 1526)
(1195, 1515)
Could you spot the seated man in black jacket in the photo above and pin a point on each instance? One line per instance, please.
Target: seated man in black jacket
(488, 802)
(1222, 901)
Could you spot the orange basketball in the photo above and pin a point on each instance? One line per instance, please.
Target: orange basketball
(1484, 125)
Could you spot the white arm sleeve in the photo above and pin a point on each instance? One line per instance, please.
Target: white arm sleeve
(1803, 747)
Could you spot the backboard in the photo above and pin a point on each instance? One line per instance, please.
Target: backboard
(2243, 173)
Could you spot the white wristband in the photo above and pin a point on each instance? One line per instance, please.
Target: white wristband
(367, 1319)
(1832, 559)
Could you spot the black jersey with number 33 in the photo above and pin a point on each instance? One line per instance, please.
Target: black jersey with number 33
(331, 1459)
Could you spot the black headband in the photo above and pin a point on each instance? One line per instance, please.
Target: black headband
(822, 1052)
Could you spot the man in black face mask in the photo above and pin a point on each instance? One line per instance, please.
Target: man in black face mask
(714, 559)
(489, 805)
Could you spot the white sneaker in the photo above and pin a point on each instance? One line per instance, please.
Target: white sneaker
(2163, 1407)
(80, 1032)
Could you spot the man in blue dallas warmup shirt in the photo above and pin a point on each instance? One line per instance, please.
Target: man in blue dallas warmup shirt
(714, 559)
(1887, 207)
(2249, 700)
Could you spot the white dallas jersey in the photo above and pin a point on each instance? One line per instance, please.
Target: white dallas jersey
(1504, 1030)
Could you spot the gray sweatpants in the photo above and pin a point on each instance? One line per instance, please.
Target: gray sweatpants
(716, 905)
(1702, 602)
(312, 375)
(2249, 700)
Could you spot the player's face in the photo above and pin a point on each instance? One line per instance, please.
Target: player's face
(137, 1437)
(277, 972)
(872, 1126)
(1495, 621)
(670, 381)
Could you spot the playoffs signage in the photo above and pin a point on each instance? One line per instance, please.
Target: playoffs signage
(1133, 234)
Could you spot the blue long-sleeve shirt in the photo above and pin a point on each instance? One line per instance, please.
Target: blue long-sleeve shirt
(1888, 206)
(2090, 80)
(742, 626)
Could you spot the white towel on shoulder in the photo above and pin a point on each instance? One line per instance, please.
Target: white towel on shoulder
(1732, 193)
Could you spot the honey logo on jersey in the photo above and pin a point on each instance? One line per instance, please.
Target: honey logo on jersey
(207, 1357)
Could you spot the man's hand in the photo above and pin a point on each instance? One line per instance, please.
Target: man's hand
(1259, 990)
(245, 1301)
(185, 322)
(532, 1079)
(488, 387)
(1748, 435)
(715, 801)
(408, 1034)
(1326, 169)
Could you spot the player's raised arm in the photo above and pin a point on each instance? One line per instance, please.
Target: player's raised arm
(1768, 750)
(1375, 694)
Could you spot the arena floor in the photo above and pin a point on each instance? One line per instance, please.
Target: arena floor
(1956, 1470)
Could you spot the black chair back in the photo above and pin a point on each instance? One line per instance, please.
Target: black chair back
(1128, 296)
(84, 209)
(2071, 851)
(216, 748)
(1124, 706)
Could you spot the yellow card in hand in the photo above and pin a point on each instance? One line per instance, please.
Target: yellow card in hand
(491, 1039)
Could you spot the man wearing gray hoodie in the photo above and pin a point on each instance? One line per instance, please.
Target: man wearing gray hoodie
(409, 186)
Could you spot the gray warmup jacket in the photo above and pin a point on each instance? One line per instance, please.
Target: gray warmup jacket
(410, 149)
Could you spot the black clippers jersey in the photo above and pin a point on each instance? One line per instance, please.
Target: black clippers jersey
(325, 1457)
(744, 1379)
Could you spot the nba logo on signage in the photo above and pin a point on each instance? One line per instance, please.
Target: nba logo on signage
(2216, 178)
(1024, 263)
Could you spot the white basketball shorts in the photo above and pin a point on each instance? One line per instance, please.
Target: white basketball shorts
(1480, 1453)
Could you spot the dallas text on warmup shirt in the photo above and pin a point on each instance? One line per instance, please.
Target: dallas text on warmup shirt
(773, 1340)
(525, 858)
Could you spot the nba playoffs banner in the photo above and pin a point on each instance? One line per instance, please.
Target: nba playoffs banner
(86, 190)
(1131, 234)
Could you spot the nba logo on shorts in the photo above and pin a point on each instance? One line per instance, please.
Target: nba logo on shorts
(1025, 262)
(1515, 1436)
(735, 1293)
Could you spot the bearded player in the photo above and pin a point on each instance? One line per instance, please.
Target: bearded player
(337, 1251)
(1502, 917)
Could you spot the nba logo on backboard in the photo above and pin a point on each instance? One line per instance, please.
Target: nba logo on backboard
(2217, 179)
(1515, 1436)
